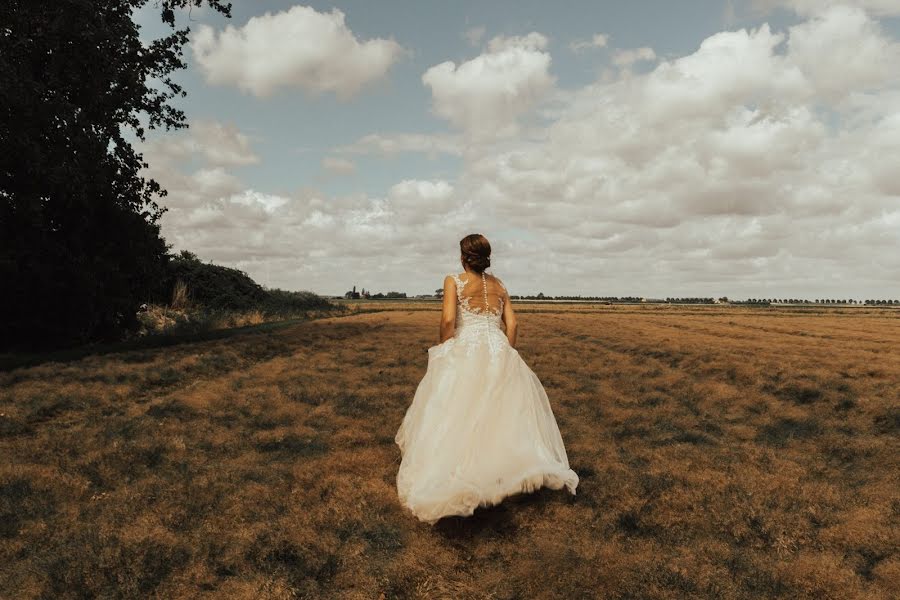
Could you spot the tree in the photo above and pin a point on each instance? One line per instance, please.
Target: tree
(80, 245)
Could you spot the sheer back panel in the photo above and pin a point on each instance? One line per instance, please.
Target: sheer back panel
(480, 294)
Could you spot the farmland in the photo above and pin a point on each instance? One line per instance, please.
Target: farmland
(723, 452)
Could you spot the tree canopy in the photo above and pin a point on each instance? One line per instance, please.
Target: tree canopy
(80, 244)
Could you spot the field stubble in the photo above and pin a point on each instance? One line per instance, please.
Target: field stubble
(723, 453)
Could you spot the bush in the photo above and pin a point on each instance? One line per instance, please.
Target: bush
(212, 286)
(283, 302)
(197, 296)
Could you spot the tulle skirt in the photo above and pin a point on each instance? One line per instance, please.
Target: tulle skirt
(479, 429)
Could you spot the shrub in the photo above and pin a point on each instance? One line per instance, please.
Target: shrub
(212, 286)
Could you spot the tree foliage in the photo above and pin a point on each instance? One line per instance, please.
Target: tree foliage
(80, 246)
(214, 286)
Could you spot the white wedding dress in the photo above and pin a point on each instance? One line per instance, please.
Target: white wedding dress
(480, 427)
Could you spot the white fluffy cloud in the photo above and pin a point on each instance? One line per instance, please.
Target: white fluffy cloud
(298, 47)
(728, 69)
(486, 94)
(842, 50)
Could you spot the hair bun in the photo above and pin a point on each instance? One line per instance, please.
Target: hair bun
(478, 263)
(476, 252)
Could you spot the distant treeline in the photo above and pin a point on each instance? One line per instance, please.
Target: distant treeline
(668, 300)
(701, 300)
(816, 301)
(541, 296)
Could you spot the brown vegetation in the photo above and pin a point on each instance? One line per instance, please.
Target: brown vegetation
(723, 453)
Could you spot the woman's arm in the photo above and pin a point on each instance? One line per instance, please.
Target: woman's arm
(448, 310)
(509, 318)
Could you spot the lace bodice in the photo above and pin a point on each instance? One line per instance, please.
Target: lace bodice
(477, 322)
(464, 299)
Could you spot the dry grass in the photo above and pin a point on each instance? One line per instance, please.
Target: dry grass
(723, 453)
(166, 320)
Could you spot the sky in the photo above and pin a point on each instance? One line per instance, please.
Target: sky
(702, 148)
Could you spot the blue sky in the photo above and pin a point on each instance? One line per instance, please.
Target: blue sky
(708, 188)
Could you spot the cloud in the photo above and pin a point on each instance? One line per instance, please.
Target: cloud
(626, 58)
(728, 69)
(395, 143)
(485, 95)
(842, 50)
(474, 35)
(598, 40)
(218, 143)
(337, 165)
(299, 47)
(415, 202)
(881, 8)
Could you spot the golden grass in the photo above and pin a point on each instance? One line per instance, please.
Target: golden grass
(723, 453)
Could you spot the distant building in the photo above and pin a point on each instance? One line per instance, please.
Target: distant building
(354, 295)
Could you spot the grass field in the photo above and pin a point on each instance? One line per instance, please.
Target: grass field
(723, 453)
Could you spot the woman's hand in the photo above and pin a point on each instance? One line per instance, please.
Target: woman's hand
(509, 319)
(448, 310)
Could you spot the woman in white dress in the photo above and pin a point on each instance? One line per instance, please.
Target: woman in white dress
(480, 427)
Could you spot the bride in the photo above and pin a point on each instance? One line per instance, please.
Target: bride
(480, 427)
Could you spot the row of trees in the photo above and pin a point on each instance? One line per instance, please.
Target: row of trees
(541, 296)
(80, 243)
(704, 300)
(365, 294)
(690, 300)
(820, 301)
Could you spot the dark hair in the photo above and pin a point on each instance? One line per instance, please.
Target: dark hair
(476, 252)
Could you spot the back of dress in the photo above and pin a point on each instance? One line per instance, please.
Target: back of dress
(479, 316)
(480, 294)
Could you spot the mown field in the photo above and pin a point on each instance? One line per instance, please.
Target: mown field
(723, 453)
